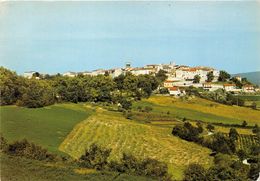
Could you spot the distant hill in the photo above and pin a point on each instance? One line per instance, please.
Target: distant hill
(253, 77)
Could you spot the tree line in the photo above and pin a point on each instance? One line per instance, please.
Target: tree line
(48, 90)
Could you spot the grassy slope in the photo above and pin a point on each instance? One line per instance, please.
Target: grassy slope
(47, 126)
(16, 168)
(111, 130)
(200, 109)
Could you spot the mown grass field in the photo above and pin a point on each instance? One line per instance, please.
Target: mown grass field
(112, 130)
(21, 169)
(46, 126)
(165, 107)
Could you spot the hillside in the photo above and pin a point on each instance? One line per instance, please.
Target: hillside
(170, 108)
(112, 130)
(46, 126)
(253, 77)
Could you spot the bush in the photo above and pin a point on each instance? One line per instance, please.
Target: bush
(147, 167)
(187, 132)
(195, 172)
(95, 157)
(164, 91)
(29, 150)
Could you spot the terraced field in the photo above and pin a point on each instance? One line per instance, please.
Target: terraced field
(112, 130)
(198, 109)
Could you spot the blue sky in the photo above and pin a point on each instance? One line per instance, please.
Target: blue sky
(53, 37)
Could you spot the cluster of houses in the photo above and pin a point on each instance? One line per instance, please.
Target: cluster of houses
(179, 76)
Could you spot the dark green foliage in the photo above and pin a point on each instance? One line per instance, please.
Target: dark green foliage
(223, 76)
(95, 157)
(222, 144)
(225, 169)
(244, 124)
(241, 154)
(126, 104)
(210, 76)
(233, 134)
(196, 79)
(9, 87)
(254, 170)
(200, 127)
(161, 76)
(36, 93)
(256, 129)
(195, 172)
(164, 90)
(210, 127)
(187, 132)
(29, 150)
(145, 167)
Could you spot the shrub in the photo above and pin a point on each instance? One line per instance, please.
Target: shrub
(29, 150)
(95, 157)
(195, 172)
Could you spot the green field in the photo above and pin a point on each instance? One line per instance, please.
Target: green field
(46, 126)
(170, 108)
(112, 130)
(26, 169)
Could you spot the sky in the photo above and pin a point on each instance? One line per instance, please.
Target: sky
(52, 37)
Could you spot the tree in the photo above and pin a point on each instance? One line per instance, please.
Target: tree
(223, 76)
(126, 104)
(36, 93)
(9, 86)
(195, 172)
(161, 75)
(244, 124)
(241, 154)
(210, 76)
(200, 127)
(233, 134)
(196, 79)
(210, 127)
(256, 129)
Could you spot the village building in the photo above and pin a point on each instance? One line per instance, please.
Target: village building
(29, 74)
(168, 83)
(175, 91)
(70, 74)
(142, 71)
(248, 88)
(211, 87)
(229, 87)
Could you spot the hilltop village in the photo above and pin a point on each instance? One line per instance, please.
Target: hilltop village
(178, 77)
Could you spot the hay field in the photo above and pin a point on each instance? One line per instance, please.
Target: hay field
(112, 130)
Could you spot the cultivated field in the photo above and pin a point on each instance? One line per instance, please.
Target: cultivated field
(197, 109)
(46, 126)
(112, 130)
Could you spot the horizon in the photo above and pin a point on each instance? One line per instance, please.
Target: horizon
(83, 36)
